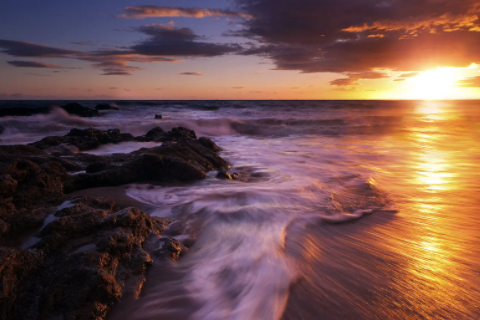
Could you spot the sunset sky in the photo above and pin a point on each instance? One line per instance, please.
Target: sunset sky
(240, 49)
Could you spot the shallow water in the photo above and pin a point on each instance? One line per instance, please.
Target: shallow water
(348, 210)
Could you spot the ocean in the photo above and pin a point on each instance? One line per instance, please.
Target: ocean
(352, 209)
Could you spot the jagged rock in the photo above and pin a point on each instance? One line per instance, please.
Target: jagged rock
(171, 248)
(106, 107)
(79, 110)
(158, 117)
(79, 268)
(209, 144)
(86, 139)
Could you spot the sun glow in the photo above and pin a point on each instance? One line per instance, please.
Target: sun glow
(435, 84)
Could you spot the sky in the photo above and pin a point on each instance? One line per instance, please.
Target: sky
(240, 49)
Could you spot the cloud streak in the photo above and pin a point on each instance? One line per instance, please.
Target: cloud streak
(34, 64)
(142, 12)
(190, 74)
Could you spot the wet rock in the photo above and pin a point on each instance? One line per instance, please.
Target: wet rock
(176, 134)
(209, 144)
(158, 117)
(23, 111)
(33, 182)
(106, 107)
(97, 167)
(86, 139)
(169, 248)
(57, 278)
(224, 175)
(79, 110)
(156, 134)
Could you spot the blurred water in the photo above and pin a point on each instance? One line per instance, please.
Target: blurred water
(349, 209)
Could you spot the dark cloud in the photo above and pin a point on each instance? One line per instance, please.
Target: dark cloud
(113, 88)
(141, 12)
(360, 35)
(473, 82)
(82, 43)
(25, 49)
(353, 78)
(117, 73)
(33, 64)
(169, 41)
(190, 74)
(165, 43)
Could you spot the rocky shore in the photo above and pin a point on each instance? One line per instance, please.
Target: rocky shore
(89, 252)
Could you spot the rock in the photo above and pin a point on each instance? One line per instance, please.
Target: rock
(79, 268)
(79, 110)
(97, 167)
(158, 117)
(156, 134)
(169, 248)
(23, 111)
(224, 175)
(2, 129)
(106, 107)
(33, 183)
(209, 144)
(86, 139)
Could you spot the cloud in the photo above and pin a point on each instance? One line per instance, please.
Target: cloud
(117, 73)
(82, 43)
(165, 43)
(142, 12)
(353, 78)
(26, 49)
(190, 74)
(166, 40)
(472, 82)
(336, 36)
(113, 88)
(238, 88)
(33, 64)
(397, 80)
(408, 75)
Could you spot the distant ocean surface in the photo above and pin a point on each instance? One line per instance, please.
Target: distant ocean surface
(356, 209)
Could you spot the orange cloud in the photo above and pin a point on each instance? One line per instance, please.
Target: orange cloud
(142, 12)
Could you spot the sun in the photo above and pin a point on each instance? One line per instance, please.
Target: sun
(435, 84)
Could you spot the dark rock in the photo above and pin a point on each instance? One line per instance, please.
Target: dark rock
(171, 248)
(176, 134)
(97, 167)
(33, 183)
(2, 129)
(106, 107)
(158, 117)
(23, 111)
(79, 268)
(86, 139)
(224, 175)
(209, 144)
(79, 110)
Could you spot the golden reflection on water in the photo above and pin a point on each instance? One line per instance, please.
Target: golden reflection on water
(431, 285)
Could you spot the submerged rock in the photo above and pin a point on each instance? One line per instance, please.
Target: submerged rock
(79, 268)
(106, 107)
(79, 110)
(23, 111)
